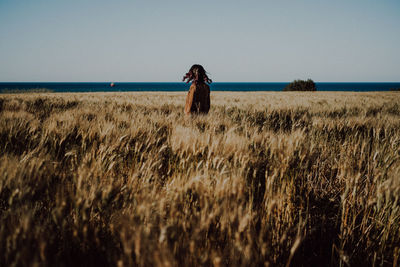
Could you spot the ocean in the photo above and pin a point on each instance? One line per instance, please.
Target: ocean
(176, 87)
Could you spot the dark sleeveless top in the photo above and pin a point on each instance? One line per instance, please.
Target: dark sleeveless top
(198, 99)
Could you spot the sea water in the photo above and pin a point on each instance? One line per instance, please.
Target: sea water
(174, 86)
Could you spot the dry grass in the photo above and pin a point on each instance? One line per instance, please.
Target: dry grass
(264, 179)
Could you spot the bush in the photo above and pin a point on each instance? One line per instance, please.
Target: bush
(300, 85)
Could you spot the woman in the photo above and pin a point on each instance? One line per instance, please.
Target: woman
(198, 97)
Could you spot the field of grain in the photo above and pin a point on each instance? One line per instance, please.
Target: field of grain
(273, 179)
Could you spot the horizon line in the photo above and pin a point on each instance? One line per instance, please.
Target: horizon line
(189, 83)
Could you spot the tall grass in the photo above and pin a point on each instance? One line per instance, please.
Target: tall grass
(272, 179)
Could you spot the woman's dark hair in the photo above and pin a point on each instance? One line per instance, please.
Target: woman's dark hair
(197, 74)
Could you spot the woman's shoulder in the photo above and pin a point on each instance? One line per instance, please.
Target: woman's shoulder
(206, 87)
(201, 85)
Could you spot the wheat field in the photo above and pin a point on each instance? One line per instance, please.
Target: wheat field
(265, 179)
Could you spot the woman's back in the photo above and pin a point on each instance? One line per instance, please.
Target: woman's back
(198, 99)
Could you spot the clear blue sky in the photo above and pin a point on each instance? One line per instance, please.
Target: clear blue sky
(149, 40)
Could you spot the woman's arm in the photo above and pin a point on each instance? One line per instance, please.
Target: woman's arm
(207, 107)
(189, 99)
